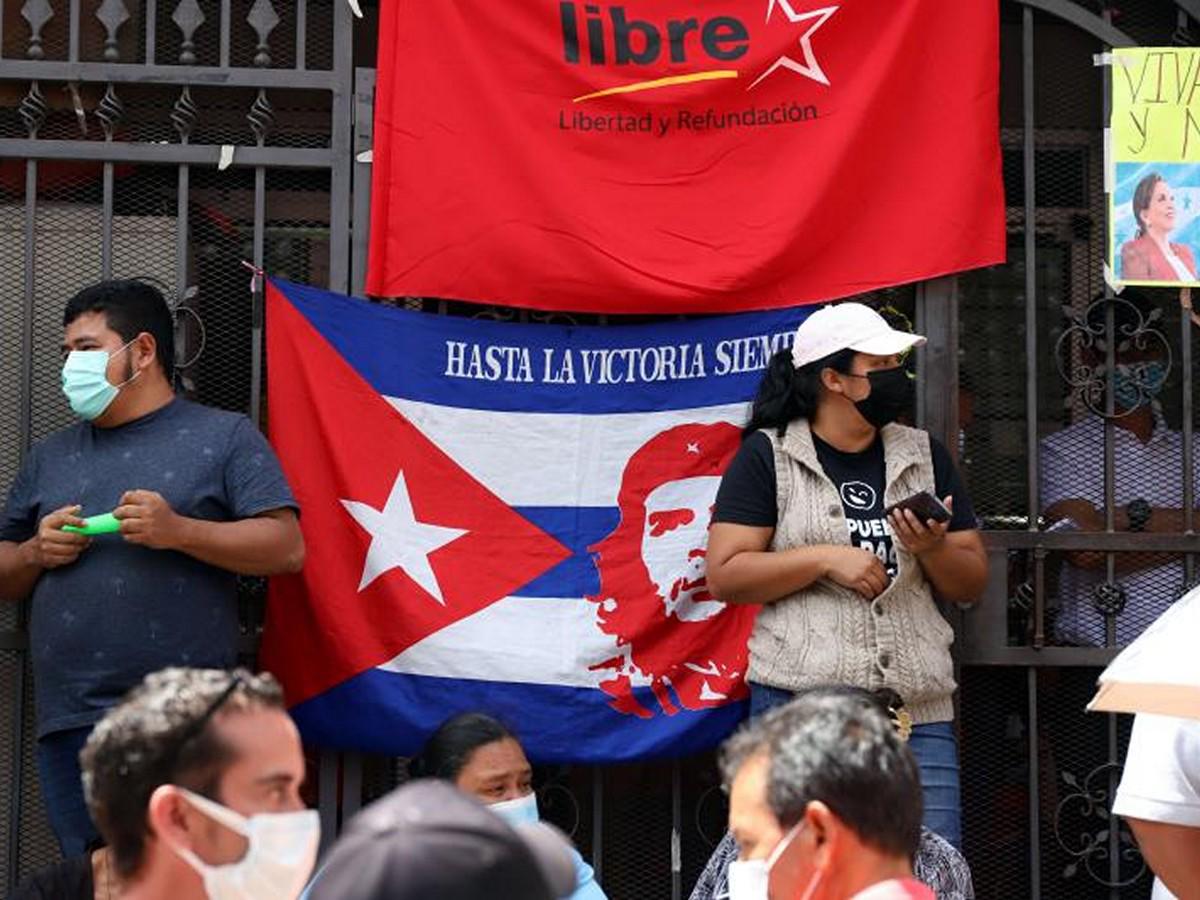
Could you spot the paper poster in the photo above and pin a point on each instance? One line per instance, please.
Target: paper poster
(1155, 158)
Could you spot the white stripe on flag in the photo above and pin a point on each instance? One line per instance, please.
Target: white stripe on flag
(550, 459)
(528, 640)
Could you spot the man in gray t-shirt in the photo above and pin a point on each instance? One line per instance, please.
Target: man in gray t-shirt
(200, 498)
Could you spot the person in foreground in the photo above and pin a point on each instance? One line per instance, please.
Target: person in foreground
(481, 757)
(1150, 256)
(200, 498)
(936, 864)
(1159, 797)
(801, 528)
(824, 803)
(429, 841)
(193, 780)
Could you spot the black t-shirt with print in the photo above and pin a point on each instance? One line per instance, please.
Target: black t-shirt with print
(747, 492)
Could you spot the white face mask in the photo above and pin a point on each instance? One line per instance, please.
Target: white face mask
(283, 848)
(521, 811)
(749, 879)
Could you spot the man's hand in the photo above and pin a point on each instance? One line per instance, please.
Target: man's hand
(915, 536)
(1082, 512)
(52, 547)
(858, 569)
(148, 520)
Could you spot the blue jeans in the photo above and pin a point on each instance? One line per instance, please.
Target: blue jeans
(935, 746)
(62, 789)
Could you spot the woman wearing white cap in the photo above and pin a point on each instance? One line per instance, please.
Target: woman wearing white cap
(847, 590)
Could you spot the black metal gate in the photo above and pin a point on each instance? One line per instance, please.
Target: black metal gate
(1045, 428)
(174, 139)
(167, 141)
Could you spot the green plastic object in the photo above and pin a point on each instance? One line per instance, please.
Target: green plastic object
(102, 524)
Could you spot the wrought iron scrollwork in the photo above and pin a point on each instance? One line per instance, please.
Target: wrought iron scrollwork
(1083, 828)
(263, 19)
(1023, 597)
(1088, 332)
(1109, 598)
(33, 109)
(37, 13)
(112, 15)
(557, 803)
(261, 117)
(184, 114)
(110, 111)
(188, 17)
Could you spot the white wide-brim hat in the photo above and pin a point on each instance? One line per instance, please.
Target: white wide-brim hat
(848, 326)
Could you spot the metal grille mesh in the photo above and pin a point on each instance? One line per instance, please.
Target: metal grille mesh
(1071, 749)
(1077, 757)
(214, 338)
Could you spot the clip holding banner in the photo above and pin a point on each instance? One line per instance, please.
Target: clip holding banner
(367, 156)
(256, 278)
(1112, 59)
(226, 159)
(1111, 280)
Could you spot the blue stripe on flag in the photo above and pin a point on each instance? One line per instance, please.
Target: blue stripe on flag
(577, 528)
(386, 712)
(513, 367)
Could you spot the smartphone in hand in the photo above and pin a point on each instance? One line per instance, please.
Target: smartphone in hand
(924, 506)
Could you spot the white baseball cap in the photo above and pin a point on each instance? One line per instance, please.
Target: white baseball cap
(848, 326)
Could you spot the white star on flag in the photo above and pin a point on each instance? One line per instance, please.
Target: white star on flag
(693, 447)
(810, 68)
(399, 541)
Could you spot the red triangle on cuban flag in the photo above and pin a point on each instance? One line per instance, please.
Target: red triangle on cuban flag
(401, 541)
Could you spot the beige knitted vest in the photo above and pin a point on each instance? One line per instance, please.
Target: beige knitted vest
(826, 633)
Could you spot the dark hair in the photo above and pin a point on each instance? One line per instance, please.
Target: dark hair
(161, 734)
(130, 307)
(834, 745)
(449, 749)
(1142, 195)
(787, 393)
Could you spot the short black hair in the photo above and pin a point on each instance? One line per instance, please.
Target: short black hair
(786, 393)
(161, 734)
(449, 749)
(836, 746)
(130, 306)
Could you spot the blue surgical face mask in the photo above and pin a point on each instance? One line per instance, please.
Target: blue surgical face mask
(1135, 383)
(85, 382)
(521, 811)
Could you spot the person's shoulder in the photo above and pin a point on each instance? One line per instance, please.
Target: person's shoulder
(210, 418)
(1071, 434)
(759, 442)
(61, 440)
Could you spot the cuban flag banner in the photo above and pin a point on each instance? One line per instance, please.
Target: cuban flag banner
(507, 517)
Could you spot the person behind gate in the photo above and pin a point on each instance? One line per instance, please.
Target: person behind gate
(200, 499)
(847, 591)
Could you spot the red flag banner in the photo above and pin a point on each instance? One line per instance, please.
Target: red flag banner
(680, 156)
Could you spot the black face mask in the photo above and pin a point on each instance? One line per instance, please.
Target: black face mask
(892, 392)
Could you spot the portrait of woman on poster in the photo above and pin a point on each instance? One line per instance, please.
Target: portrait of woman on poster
(1150, 256)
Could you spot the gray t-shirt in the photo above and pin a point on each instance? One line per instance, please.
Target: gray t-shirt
(121, 611)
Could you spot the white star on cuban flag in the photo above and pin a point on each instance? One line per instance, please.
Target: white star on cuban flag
(399, 540)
